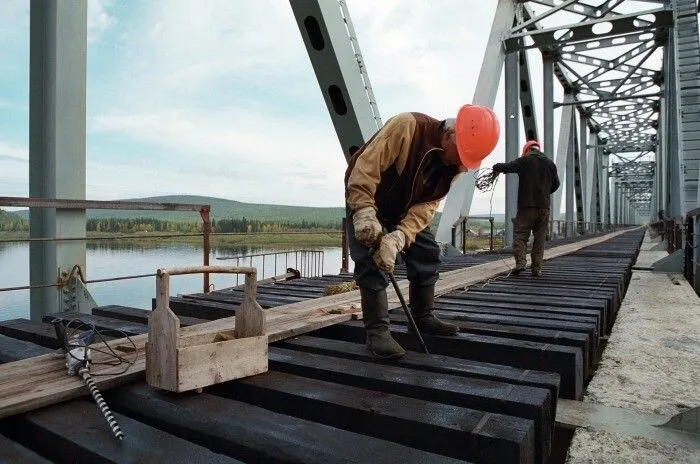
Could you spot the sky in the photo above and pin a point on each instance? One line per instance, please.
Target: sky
(219, 98)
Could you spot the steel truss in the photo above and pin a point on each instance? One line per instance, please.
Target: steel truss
(630, 69)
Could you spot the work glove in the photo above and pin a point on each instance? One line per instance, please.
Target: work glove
(367, 227)
(385, 255)
(498, 167)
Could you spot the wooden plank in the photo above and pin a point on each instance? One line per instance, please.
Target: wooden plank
(236, 297)
(282, 322)
(429, 363)
(576, 306)
(254, 434)
(528, 292)
(515, 332)
(12, 349)
(461, 278)
(206, 364)
(490, 396)
(580, 325)
(567, 361)
(12, 452)
(139, 316)
(456, 431)
(105, 325)
(461, 302)
(30, 331)
(210, 310)
(77, 432)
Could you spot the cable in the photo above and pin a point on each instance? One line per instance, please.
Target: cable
(84, 372)
(78, 345)
(117, 359)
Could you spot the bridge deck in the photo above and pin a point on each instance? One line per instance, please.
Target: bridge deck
(487, 395)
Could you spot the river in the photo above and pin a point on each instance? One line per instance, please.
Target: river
(113, 260)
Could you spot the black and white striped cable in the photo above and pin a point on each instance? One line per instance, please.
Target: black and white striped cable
(84, 372)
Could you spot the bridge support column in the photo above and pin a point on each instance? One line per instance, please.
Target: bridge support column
(57, 75)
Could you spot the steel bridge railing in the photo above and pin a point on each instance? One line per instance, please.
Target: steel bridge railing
(683, 235)
(306, 263)
(559, 229)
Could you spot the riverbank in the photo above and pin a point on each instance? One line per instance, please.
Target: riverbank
(286, 239)
(292, 239)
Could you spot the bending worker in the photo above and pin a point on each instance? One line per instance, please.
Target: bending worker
(537, 180)
(394, 183)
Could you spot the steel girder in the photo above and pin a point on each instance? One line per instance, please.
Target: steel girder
(590, 30)
(459, 199)
(606, 53)
(57, 96)
(334, 51)
(684, 103)
(564, 157)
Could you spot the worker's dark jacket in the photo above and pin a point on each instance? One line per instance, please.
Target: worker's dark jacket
(537, 179)
(400, 173)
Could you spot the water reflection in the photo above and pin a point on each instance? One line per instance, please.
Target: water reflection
(113, 259)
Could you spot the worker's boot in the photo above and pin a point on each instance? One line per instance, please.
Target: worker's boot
(422, 299)
(375, 313)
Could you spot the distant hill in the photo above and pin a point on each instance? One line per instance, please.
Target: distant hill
(221, 208)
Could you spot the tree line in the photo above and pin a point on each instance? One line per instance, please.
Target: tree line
(14, 225)
(225, 225)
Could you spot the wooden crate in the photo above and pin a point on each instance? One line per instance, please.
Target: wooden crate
(179, 363)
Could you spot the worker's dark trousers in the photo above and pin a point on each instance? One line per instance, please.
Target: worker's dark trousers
(528, 220)
(422, 260)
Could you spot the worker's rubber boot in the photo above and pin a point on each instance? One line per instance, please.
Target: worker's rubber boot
(375, 313)
(422, 299)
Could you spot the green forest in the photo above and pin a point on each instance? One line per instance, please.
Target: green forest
(228, 216)
(12, 223)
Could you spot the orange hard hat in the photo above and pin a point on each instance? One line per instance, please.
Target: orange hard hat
(476, 134)
(529, 144)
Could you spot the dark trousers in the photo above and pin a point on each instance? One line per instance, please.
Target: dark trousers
(528, 220)
(422, 260)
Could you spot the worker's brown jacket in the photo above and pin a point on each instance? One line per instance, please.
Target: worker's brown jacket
(399, 172)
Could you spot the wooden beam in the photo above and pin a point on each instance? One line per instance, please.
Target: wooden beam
(41, 381)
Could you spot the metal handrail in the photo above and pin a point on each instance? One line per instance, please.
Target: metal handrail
(203, 210)
(463, 225)
(310, 265)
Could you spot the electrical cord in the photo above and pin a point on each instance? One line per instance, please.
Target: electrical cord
(78, 345)
(72, 332)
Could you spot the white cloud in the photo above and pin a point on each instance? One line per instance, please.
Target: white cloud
(13, 151)
(98, 19)
(183, 52)
(167, 93)
(177, 49)
(14, 171)
(243, 156)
